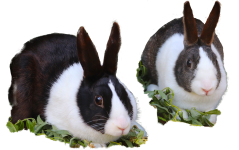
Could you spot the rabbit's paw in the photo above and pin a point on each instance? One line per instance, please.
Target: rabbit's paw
(185, 114)
(98, 146)
(141, 128)
(152, 87)
(213, 119)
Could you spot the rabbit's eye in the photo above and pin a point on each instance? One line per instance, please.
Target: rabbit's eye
(99, 101)
(189, 63)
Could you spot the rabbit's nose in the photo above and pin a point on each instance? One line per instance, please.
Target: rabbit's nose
(122, 126)
(122, 130)
(206, 90)
(122, 123)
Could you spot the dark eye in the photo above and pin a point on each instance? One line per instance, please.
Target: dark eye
(189, 63)
(99, 101)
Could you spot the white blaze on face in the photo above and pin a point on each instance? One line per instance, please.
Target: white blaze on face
(119, 120)
(205, 80)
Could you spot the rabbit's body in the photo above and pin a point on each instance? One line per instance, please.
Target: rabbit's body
(48, 79)
(36, 69)
(165, 56)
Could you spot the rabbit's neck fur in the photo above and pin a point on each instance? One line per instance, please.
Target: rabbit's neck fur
(166, 58)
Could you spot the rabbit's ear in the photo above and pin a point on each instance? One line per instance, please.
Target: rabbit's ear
(112, 49)
(207, 34)
(88, 55)
(190, 28)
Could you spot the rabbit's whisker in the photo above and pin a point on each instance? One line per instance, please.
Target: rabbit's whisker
(102, 116)
(98, 128)
(95, 120)
(97, 125)
(102, 131)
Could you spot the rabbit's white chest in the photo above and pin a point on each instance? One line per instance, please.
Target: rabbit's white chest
(62, 97)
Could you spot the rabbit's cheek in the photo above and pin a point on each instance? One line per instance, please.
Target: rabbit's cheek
(111, 129)
(114, 131)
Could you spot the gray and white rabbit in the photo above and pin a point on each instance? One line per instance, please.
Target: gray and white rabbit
(60, 78)
(187, 56)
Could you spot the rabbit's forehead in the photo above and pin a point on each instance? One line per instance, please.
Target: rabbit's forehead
(120, 105)
(210, 54)
(105, 80)
(102, 82)
(195, 53)
(192, 53)
(206, 60)
(116, 102)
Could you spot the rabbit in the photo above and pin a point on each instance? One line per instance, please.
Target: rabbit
(60, 78)
(187, 56)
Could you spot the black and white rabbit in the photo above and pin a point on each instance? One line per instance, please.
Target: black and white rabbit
(60, 78)
(187, 56)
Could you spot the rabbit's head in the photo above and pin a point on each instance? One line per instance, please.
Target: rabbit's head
(197, 69)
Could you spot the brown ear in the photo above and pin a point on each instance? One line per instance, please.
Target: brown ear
(112, 49)
(190, 28)
(88, 55)
(207, 34)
